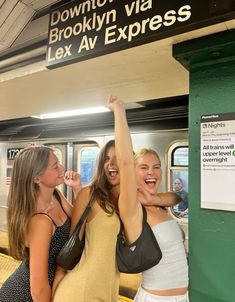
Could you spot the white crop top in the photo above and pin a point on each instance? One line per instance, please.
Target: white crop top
(172, 270)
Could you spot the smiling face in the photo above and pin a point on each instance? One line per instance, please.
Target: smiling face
(111, 168)
(53, 175)
(148, 170)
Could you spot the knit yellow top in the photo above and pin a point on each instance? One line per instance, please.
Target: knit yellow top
(95, 277)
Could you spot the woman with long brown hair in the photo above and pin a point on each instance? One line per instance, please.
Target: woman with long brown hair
(38, 223)
(96, 277)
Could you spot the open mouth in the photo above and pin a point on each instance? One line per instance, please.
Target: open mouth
(113, 172)
(151, 182)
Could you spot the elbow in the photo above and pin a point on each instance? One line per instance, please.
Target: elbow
(36, 293)
(40, 291)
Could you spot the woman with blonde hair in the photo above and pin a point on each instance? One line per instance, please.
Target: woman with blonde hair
(38, 218)
(168, 280)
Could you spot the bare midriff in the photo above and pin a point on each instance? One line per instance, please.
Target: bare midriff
(168, 292)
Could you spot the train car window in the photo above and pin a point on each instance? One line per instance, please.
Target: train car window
(87, 163)
(178, 178)
(58, 154)
(180, 156)
(60, 151)
(180, 186)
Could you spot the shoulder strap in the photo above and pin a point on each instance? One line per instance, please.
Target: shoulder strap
(57, 196)
(84, 214)
(41, 213)
(144, 214)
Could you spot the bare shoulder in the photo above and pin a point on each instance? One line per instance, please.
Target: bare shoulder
(40, 225)
(82, 199)
(40, 219)
(83, 195)
(80, 205)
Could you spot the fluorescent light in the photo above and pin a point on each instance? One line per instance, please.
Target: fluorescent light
(72, 112)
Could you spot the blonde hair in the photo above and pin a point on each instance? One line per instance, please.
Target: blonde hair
(22, 198)
(140, 153)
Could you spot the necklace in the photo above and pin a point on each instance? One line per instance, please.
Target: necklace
(50, 205)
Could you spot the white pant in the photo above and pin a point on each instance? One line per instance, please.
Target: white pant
(143, 296)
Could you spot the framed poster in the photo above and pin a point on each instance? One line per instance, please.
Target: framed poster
(218, 161)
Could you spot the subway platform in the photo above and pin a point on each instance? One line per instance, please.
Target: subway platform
(8, 264)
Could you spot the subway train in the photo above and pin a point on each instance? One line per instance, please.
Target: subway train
(161, 125)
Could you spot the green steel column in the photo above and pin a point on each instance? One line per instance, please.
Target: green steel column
(211, 64)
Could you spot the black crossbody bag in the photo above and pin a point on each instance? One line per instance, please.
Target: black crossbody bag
(142, 254)
(72, 250)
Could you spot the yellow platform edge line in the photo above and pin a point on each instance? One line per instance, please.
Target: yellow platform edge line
(125, 298)
(8, 257)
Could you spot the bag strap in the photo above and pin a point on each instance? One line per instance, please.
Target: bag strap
(144, 218)
(84, 214)
(144, 215)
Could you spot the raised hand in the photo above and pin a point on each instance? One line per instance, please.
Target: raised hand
(147, 199)
(73, 180)
(113, 102)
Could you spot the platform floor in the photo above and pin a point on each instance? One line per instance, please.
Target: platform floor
(8, 265)
(3, 239)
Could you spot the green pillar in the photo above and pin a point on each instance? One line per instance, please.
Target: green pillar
(210, 61)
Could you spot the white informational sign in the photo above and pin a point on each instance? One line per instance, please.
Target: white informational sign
(218, 161)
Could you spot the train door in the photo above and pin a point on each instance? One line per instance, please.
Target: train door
(8, 152)
(60, 150)
(80, 157)
(85, 160)
(178, 183)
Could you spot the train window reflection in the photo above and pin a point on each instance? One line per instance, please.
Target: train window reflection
(180, 187)
(88, 156)
(178, 178)
(180, 156)
(58, 154)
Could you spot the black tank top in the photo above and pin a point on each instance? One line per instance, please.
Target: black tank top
(17, 287)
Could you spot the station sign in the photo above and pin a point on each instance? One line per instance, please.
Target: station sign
(13, 152)
(80, 30)
(218, 161)
(11, 155)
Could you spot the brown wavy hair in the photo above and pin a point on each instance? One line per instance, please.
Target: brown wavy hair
(100, 187)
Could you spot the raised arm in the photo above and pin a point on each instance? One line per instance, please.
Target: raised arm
(129, 208)
(73, 180)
